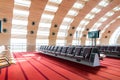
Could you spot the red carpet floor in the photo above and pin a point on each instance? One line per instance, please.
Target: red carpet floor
(36, 66)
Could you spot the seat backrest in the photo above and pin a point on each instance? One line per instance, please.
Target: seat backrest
(101, 48)
(55, 48)
(48, 47)
(59, 49)
(86, 52)
(70, 50)
(78, 51)
(106, 48)
(64, 49)
(112, 48)
(52, 47)
(118, 49)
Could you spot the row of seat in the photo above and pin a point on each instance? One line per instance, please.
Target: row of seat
(71, 52)
(113, 51)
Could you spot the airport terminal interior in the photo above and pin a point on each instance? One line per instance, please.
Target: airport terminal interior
(59, 39)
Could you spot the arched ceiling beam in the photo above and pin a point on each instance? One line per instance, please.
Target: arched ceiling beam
(21, 7)
(109, 20)
(82, 13)
(6, 12)
(113, 4)
(33, 21)
(64, 7)
(104, 40)
(118, 40)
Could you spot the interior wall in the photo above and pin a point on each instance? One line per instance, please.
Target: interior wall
(6, 13)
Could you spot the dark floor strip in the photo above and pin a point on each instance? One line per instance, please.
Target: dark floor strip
(52, 69)
(6, 74)
(0, 71)
(36, 68)
(26, 78)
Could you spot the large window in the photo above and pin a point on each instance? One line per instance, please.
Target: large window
(114, 37)
(60, 42)
(68, 19)
(46, 21)
(19, 25)
(40, 42)
(18, 45)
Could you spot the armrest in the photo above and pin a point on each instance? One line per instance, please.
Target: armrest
(4, 59)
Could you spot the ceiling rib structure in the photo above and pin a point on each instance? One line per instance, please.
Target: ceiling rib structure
(59, 22)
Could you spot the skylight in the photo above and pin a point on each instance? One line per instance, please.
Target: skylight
(23, 2)
(66, 19)
(48, 16)
(97, 24)
(103, 19)
(76, 42)
(118, 17)
(45, 33)
(110, 13)
(117, 8)
(51, 8)
(60, 42)
(78, 5)
(61, 34)
(84, 22)
(63, 27)
(56, 1)
(104, 3)
(72, 12)
(78, 28)
(96, 10)
(89, 16)
(20, 12)
(42, 42)
(19, 22)
(19, 31)
(47, 25)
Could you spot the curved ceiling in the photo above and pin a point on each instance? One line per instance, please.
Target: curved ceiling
(60, 22)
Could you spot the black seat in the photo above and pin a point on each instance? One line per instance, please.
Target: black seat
(116, 52)
(54, 50)
(70, 51)
(51, 49)
(111, 49)
(78, 51)
(48, 48)
(64, 51)
(44, 48)
(58, 50)
(85, 54)
(103, 49)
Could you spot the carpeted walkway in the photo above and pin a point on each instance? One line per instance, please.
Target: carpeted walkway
(36, 66)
